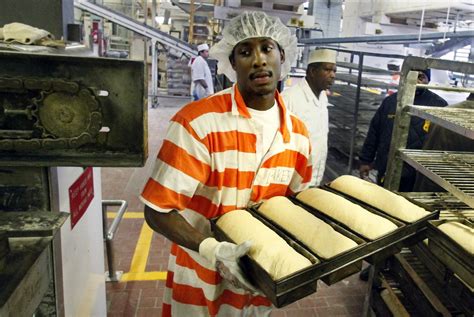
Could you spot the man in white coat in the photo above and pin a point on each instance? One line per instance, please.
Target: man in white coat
(201, 74)
(308, 100)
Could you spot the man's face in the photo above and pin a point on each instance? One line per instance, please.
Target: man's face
(422, 78)
(257, 63)
(322, 75)
(204, 53)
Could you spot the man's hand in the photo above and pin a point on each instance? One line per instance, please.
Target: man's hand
(225, 256)
(364, 170)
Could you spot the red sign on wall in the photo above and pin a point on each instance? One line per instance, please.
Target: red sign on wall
(81, 193)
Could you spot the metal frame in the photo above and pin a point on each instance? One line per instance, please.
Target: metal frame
(406, 97)
(389, 38)
(152, 33)
(359, 83)
(111, 275)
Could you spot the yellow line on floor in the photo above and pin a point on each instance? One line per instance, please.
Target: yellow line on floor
(128, 215)
(144, 276)
(142, 250)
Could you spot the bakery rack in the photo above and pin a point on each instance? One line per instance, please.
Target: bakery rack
(355, 96)
(427, 273)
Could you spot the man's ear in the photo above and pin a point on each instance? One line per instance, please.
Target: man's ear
(232, 61)
(282, 56)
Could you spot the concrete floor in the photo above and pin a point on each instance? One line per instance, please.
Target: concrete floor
(143, 255)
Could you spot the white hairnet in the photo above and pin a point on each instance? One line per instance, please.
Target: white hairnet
(252, 24)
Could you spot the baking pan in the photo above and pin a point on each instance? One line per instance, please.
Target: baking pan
(342, 271)
(285, 290)
(407, 233)
(450, 253)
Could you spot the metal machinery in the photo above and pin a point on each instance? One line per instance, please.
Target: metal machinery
(57, 110)
(434, 278)
(155, 35)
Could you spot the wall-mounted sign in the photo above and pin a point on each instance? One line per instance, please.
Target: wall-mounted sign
(81, 194)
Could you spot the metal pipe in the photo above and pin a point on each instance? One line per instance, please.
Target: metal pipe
(154, 74)
(123, 207)
(356, 114)
(387, 38)
(446, 88)
(447, 19)
(421, 23)
(109, 235)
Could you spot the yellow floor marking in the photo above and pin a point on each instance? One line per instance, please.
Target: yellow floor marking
(140, 256)
(142, 250)
(127, 215)
(144, 276)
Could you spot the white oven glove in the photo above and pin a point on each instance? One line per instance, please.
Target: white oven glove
(225, 256)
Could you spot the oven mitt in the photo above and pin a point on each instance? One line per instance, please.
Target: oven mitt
(224, 256)
(23, 33)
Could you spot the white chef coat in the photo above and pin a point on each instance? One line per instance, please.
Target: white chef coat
(313, 111)
(200, 70)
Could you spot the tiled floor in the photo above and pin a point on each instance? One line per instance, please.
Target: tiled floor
(144, 297)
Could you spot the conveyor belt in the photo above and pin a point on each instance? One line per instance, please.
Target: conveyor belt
(454, 171)
(458, 120)
(136, 26)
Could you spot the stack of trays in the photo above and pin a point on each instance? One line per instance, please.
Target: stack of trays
(302, 283)
(456, 258)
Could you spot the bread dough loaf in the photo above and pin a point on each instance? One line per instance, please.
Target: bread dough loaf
(379, 197)
(353, 216)
(317, 235)
(268, 249)
(460, 233)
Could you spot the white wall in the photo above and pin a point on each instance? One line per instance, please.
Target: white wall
(82, 251)
(354, 24)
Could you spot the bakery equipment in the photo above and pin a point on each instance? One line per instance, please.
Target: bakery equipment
(57, 109)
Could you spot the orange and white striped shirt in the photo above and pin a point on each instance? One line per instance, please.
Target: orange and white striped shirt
(208, 166)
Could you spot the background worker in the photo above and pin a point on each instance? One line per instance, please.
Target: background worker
(308, 100)
(377, 143)
(201, 74)
(223, 153)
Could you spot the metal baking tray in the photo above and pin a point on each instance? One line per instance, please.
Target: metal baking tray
(376, 250)
(450, 253)
(337, 270)
(285, 290)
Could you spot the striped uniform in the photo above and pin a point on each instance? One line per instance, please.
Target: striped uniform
(206, 167)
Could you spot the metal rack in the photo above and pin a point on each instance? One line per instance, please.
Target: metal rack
(454, 171)
(353, 106)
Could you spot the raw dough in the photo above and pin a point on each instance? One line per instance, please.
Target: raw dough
(317, 235)
(268, 249)
(379, 197)
(353, 216)
(460, 233)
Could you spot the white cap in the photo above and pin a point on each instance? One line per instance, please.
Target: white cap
(253, 24)
(322, 56)
(203, 47)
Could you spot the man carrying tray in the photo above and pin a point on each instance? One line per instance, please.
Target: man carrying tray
(234, 148)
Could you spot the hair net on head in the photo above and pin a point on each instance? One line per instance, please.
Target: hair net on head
(252, 24)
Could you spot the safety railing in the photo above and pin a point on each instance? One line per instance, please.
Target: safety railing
(111, 275)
